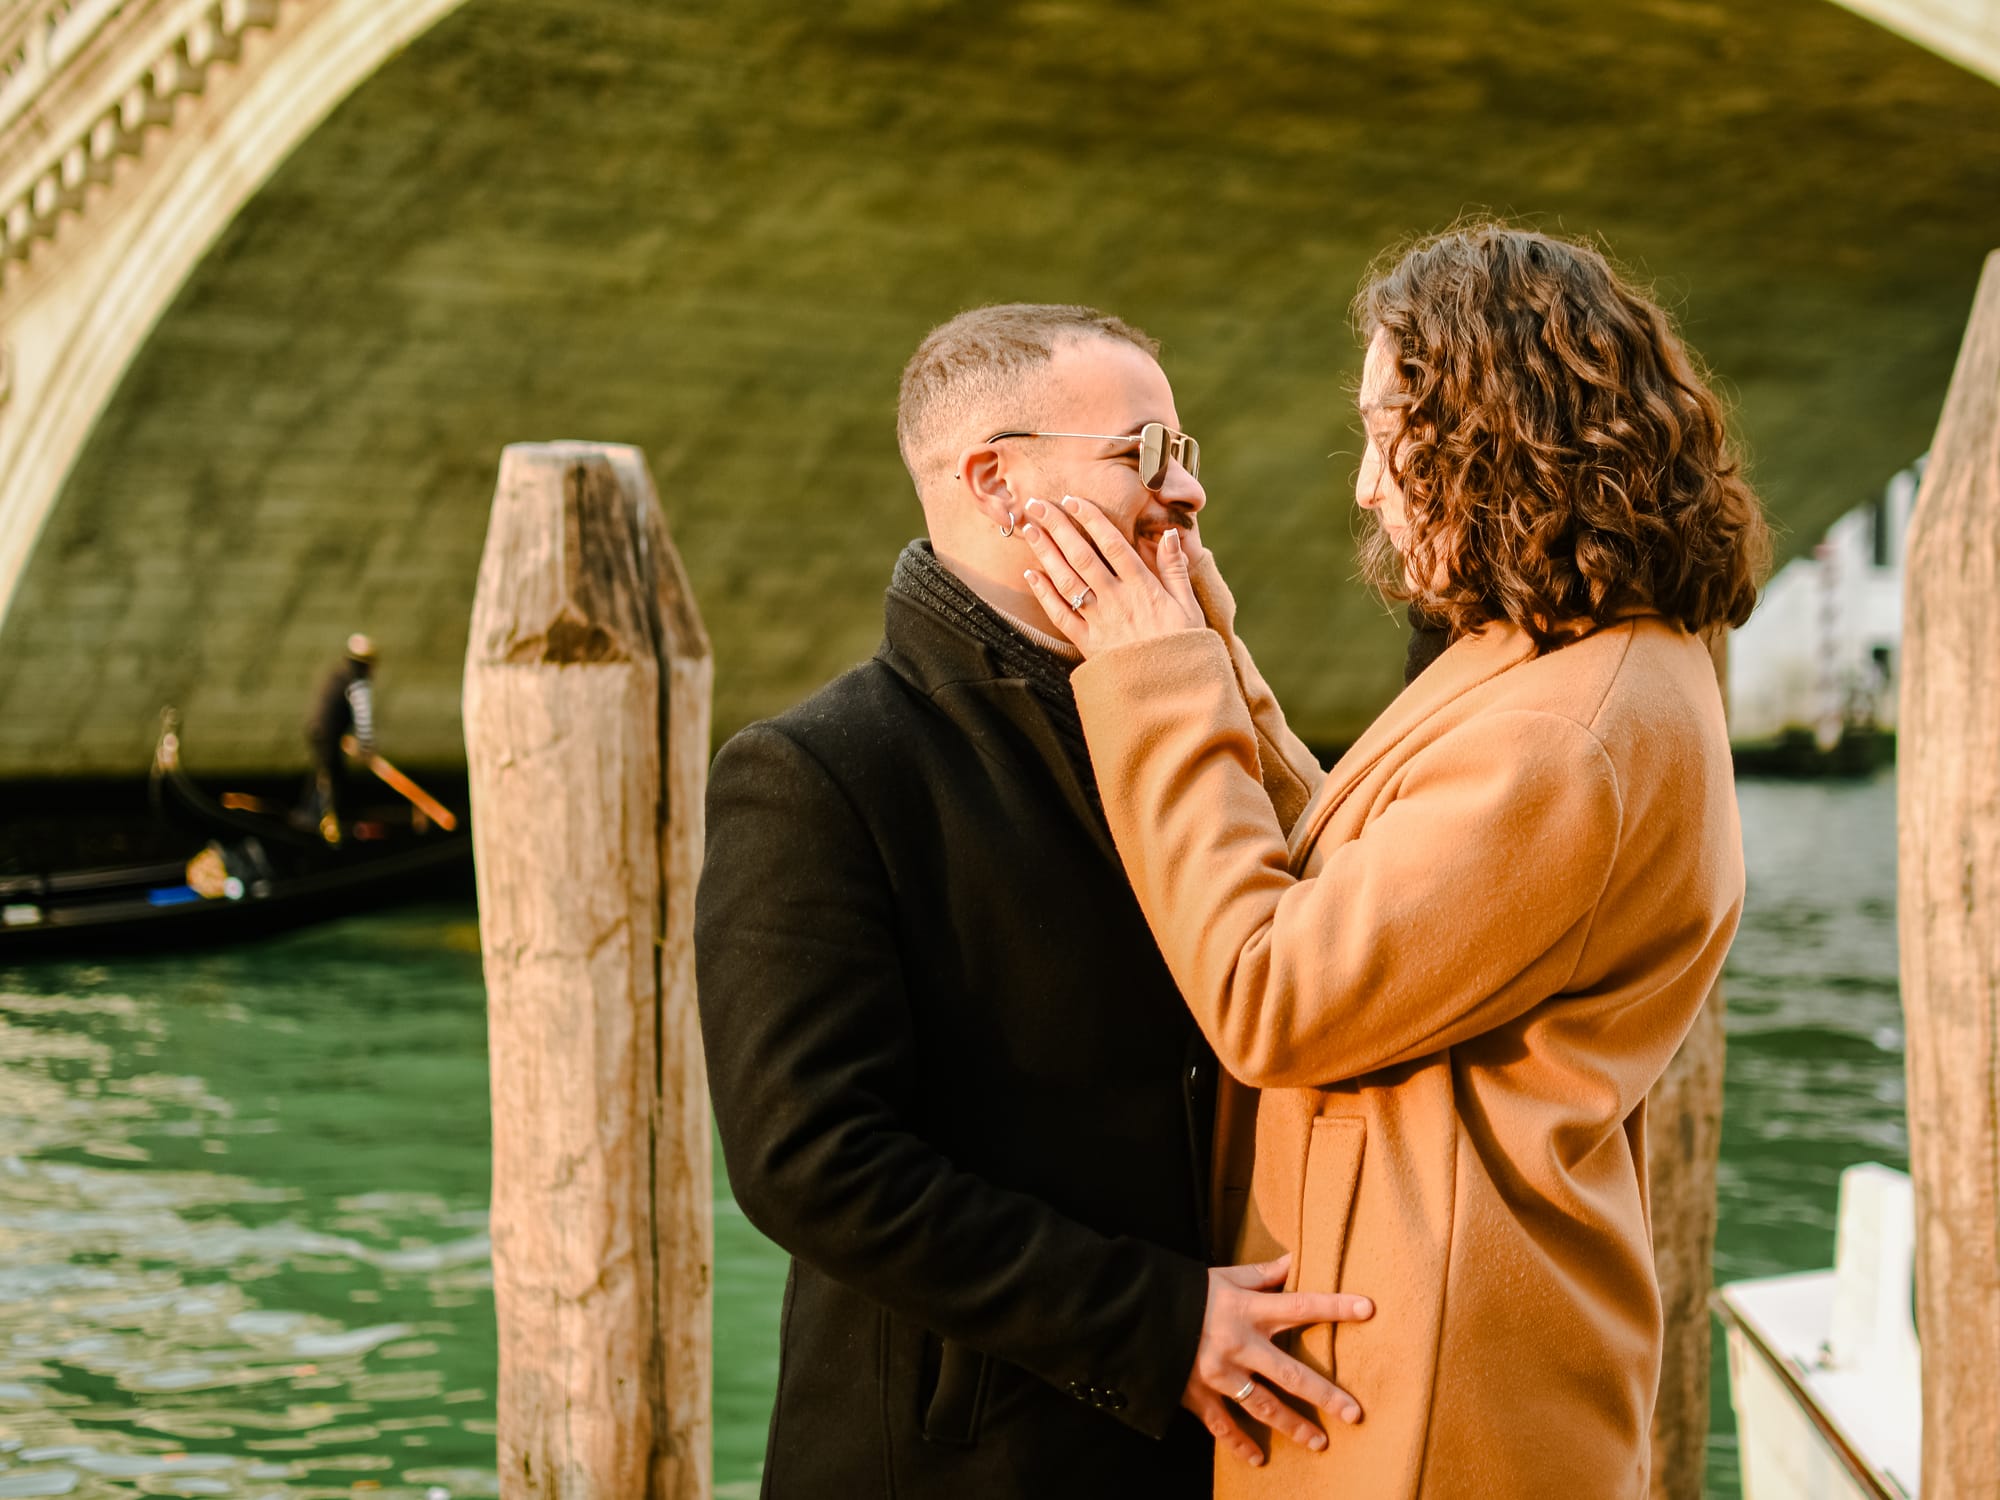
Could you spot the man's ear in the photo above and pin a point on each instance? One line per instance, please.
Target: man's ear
(983, 477)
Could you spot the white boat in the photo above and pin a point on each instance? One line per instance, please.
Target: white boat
(1824, 1366)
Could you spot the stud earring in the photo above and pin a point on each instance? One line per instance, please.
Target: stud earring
(1008, 529)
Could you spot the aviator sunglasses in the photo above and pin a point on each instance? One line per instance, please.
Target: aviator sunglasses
(1159, 445)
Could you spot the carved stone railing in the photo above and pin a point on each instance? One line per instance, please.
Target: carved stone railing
(83, 83)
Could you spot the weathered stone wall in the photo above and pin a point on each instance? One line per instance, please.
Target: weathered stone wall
(717, 229)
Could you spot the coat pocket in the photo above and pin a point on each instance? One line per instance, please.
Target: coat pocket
(1333, 1170)
(957, 1378)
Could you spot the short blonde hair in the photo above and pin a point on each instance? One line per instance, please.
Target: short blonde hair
(981, 363)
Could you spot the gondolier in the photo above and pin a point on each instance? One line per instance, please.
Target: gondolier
(223, 866)
(344, 705)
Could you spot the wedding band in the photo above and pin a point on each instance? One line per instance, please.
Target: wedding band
(1082, 598)
(1243, 1395)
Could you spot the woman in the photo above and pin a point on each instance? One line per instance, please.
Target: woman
(1448, 972)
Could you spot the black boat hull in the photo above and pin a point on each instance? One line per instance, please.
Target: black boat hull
(281, 877)
(441, 871)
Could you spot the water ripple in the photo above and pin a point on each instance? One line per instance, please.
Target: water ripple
(243, 1243)
(242, 1250)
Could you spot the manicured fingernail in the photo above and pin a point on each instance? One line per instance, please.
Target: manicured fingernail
(1069, 502)
(1318, 1443)
(1351, 1415)
(1363, 1308)
(1029, 574)
(1034, 507)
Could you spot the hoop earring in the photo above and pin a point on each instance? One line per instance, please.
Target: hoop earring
(1008, 529)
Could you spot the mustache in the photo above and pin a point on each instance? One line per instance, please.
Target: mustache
(1178, 516)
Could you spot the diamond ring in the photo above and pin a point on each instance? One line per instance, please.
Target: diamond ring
(1081, 598)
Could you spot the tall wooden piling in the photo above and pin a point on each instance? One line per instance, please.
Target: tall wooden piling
(1948, 894)
(1683, 1141)
(587, 685)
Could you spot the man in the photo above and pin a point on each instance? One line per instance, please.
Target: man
(951, 1073)
(344, 705)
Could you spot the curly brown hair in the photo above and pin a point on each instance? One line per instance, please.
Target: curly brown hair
(1562, 459)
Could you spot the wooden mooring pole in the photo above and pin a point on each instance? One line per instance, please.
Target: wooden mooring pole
(1948, 898)
(1683, 1141)
(587, 683)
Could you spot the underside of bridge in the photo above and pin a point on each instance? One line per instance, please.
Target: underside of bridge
(716, 230)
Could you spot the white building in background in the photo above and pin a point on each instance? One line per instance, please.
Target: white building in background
(1823, 649)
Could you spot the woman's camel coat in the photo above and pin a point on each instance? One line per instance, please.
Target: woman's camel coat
(1447, 973)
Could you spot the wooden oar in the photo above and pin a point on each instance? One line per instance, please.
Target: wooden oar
(422, 800)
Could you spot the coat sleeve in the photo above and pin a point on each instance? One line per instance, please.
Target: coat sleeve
(813, 1069)
(1291, 773)
(1463, 904)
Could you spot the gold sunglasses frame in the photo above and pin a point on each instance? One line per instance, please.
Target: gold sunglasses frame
(1168, 446)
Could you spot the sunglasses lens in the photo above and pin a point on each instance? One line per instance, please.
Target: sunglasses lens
(1152, 455)
(1191, 457)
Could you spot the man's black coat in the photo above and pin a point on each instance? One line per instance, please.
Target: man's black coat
(955, 1081)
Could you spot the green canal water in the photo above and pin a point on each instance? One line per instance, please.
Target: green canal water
(242, 1195)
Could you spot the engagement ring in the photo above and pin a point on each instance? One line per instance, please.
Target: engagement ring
(1082, 598)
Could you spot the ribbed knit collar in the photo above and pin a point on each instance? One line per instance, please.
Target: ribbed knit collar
(1015, 648)
(1055, 645)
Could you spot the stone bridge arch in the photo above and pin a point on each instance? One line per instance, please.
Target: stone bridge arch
(283, 275)
(162, 120)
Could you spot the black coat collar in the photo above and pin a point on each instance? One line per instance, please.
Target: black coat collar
(977, 682)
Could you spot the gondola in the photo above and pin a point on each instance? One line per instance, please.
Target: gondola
(249, 869)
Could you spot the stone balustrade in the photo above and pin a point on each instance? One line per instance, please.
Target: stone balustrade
(86, 82)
